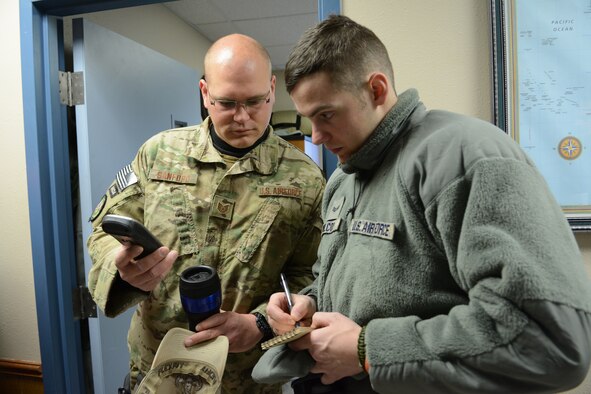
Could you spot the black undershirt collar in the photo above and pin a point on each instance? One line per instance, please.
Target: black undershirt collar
(227, 149)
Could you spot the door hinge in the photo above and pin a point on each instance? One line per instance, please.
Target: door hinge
(71, 86)
(84, 305)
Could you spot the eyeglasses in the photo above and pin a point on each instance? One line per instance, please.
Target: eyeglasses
(251, 105)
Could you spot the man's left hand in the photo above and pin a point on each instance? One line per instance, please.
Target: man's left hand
(240, 328)
(333, 345)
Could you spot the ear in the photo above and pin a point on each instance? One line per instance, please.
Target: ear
(378, 83)
(273, 83)
(204, 92)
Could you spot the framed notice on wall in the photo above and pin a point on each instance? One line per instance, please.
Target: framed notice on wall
(542, 92)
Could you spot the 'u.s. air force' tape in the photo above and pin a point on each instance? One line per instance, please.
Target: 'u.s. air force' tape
(372, 229)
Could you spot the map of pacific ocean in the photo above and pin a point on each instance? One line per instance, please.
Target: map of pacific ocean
(552, 101)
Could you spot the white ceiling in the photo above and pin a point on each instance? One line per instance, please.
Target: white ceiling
(276, 24)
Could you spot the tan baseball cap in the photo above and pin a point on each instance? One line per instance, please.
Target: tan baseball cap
(178, 369)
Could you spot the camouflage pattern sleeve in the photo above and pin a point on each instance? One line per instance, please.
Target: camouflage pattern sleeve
(123, 197)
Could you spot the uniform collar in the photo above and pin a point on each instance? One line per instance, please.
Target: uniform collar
(373, 150)
(263, 159)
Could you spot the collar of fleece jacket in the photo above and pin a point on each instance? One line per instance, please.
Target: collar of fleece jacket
(388, 131)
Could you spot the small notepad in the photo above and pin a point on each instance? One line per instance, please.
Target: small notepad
(292, 335)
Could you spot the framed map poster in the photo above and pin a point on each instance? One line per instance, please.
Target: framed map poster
(542, 92)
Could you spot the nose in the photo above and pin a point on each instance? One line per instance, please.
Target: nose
(318, 137)
(241, 114)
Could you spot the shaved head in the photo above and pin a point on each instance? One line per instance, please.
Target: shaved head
(236, 54)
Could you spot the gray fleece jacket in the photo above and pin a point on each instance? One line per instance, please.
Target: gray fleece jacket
(442, 237)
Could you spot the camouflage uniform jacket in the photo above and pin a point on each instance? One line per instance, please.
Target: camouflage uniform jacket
(251, 222)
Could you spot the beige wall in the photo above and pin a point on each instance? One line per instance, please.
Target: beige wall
(441, 48)
(438, 47)
(18, 318)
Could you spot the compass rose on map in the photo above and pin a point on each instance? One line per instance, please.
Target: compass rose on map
(570, 148)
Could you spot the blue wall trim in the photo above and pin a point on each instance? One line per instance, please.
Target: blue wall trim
(38, 181)
(49, 203)
(328, 7)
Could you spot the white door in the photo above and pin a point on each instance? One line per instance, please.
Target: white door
(131, 93)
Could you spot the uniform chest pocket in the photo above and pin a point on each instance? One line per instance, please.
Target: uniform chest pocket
(168, 214)
(255, 234)
(168, 211)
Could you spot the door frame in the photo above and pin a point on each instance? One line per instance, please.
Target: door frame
(48, 182)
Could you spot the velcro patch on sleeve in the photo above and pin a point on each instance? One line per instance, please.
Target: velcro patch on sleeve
(98, 209)
(125, 178)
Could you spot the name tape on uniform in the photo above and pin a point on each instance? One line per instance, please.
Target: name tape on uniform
(281, 191)
(372, 229)
(331, 226)
(186, 177)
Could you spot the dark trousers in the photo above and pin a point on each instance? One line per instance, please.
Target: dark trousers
(310, 384)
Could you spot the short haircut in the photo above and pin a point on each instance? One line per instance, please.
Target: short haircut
(230, 42)
(342, 48)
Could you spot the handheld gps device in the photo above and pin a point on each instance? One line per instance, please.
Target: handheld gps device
(128, 230)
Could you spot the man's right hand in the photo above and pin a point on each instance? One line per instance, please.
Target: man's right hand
(279, 318)
(146, 273)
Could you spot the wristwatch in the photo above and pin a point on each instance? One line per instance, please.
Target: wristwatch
(263, 326)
